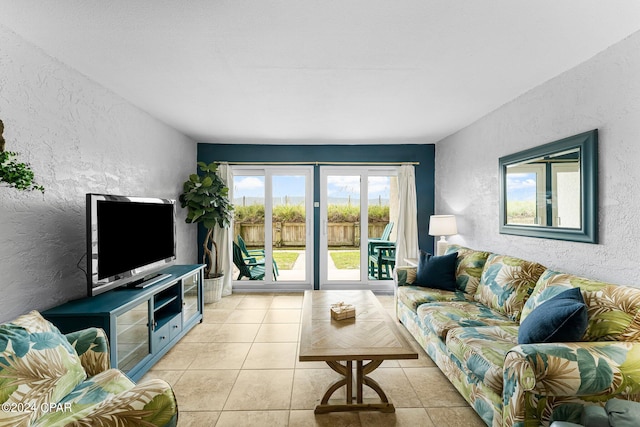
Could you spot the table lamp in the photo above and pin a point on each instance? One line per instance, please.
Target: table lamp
(442, 225)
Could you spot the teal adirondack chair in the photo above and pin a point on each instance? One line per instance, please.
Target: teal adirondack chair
(256, 256)
(383, 240)
(247, 268)
(380, 263)
(249, 252)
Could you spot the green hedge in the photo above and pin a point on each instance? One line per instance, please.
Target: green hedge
(295, 213)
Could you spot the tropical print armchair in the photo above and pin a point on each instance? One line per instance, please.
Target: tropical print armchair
(49, 379)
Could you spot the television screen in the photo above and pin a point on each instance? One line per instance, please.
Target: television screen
(127, 238)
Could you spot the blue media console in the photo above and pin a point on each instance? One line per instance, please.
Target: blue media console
(142, 323)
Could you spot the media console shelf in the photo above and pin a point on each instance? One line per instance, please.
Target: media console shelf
(142, 323)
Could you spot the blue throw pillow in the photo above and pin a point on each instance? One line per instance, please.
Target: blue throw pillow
(437, 272)
(563, 318)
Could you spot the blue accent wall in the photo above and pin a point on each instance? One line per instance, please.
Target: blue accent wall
(422, 153)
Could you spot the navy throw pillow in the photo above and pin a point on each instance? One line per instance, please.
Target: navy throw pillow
(563, 318)
(437, 272)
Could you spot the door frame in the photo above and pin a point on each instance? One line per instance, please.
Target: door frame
(364, 282)
(268, 171)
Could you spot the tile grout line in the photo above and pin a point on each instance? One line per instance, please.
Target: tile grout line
(235, 380)
(296, 368)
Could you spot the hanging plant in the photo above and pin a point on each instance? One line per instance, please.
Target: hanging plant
(15, 174)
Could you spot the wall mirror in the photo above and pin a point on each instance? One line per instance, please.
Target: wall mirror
(551, 191)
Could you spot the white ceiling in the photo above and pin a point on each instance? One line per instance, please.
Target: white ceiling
(321, 70)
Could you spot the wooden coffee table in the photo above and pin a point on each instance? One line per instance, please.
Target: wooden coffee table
(372, 336)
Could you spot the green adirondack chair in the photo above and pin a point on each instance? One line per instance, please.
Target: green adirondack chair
(252, 270)
(380, 263)
(255, 255)
(248, 252)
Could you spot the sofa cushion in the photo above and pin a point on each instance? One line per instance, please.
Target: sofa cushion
(506, 283)
(441, 317)
(482, 350)
(437, 272)
(37, 366)
(613, 311)
(469, 265)
(414, 296)
(563, 318)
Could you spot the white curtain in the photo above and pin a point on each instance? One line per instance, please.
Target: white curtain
(407, 240)
(224, 236)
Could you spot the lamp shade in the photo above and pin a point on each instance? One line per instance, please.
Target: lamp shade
(442, 225)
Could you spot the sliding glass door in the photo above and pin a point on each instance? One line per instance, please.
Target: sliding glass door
(358, 214)
(273, 227)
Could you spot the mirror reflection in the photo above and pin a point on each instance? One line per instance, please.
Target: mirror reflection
(551, 191)
(545, 191)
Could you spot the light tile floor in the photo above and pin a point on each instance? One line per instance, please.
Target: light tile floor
(239, 368)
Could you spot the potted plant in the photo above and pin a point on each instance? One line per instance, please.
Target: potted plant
(13, 173)
(205, 196)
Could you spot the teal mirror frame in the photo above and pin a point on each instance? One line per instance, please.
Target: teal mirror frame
(587, 143)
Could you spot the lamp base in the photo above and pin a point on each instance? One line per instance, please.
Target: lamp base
(441, 246)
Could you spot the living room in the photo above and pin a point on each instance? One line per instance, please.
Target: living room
(81, 135)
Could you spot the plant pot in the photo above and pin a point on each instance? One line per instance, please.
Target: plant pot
(213, 289)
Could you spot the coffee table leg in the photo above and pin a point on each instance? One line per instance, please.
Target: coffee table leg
(370, 382)
(346, 371)
(349, 380)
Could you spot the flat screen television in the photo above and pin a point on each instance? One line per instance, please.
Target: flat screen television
(128, 240)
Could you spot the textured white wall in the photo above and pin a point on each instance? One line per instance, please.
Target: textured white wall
(602, 93)
(79, 138)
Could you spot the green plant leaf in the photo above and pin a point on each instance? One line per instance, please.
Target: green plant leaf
(197, 215)
(207, 181)
(15, 174)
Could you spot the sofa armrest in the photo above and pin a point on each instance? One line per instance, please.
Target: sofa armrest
(598, 370)
(92, 345)
(150, 403)
(404, 275)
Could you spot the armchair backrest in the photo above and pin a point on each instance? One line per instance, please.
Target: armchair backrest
(386, 233)
(242, 245)
(239, 261)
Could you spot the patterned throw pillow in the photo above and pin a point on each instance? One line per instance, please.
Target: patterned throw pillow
(469, 266)
(506, 283)
(38, 366)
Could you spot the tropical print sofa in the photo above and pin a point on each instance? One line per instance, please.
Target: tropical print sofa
(51, 379)
(471, 333)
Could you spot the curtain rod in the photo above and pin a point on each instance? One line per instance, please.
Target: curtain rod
(317, 163)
